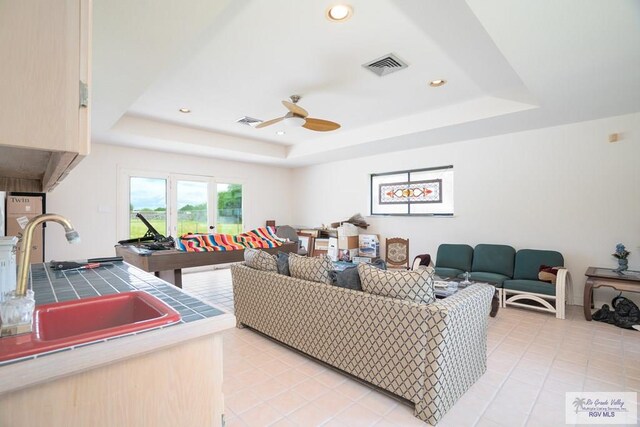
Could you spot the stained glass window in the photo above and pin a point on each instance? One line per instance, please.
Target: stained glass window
(413, 192)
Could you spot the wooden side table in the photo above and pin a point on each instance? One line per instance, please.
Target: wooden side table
(628, 281)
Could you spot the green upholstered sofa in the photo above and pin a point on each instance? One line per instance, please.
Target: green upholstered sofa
(492, 264)
(525, 284)
(515, 275)
(453, 260)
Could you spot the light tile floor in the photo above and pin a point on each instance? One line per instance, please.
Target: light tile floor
(533, 359)
(210, 285)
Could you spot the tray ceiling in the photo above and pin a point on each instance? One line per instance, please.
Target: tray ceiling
(509, 66)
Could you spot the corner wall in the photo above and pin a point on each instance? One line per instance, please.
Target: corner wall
(88, 196)
(564, 188)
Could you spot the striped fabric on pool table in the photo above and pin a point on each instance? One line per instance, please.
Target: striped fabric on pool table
(263, 237)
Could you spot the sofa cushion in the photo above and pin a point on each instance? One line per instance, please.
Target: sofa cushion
(349, 277)
(282, 260)
(493, 278)
(528, 262)
(412, 285)
(260, 260)
(494, 259)
(312, 269)
(448, 272)
(532, 286)
(455, 256)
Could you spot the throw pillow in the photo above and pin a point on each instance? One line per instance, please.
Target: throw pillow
(409, 285)
(282, 259)
(349, 277)
(548, 274)
(313, 269)
(260, 260)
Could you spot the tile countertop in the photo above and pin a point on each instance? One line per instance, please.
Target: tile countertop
(51, 285)
(198, 317)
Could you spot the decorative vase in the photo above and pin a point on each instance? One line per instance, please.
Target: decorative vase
(623, 264)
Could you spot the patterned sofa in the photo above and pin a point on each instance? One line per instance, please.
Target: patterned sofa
(429, 354)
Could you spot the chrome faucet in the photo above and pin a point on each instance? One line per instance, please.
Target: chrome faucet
(27, 236)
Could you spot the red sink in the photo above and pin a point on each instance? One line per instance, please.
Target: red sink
(69, 323)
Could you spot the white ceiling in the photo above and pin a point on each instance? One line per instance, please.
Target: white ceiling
(510, 66)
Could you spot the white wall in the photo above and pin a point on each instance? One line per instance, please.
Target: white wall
(88, 196)
(564, 188)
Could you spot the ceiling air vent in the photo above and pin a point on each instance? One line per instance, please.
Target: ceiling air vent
(249, 121)
(386, 65)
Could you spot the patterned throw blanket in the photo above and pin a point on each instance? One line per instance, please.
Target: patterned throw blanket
(263, 237)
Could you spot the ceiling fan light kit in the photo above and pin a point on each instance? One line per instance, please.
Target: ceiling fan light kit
(295, 121)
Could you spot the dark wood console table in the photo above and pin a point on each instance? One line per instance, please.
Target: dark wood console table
(628, 281)
(168, 265)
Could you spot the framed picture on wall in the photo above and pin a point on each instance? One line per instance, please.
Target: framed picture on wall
(413, 192)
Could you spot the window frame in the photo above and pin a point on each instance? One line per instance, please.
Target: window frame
(409, 172)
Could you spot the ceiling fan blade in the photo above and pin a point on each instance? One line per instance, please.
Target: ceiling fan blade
(269, 122)
(320, 125)
(295, 109)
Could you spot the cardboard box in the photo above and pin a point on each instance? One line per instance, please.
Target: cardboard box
(19, 208)
(369, 245)
(348, 242)
(24, 205)
(333, 249)
(361, 259)
(322, 245)
(347, 229)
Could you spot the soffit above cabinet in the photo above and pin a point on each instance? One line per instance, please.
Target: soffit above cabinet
(24, 169)
(24, 164)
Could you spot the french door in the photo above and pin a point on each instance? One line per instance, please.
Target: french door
(192, 201)
(178, 204)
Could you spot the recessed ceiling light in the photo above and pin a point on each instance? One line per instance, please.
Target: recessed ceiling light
(184, 110)
(280, 133)
(339, 12)
(437, 83)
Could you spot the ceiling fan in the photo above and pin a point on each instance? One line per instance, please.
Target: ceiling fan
(297, 116)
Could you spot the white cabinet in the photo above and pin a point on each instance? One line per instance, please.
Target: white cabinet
(44, 88)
